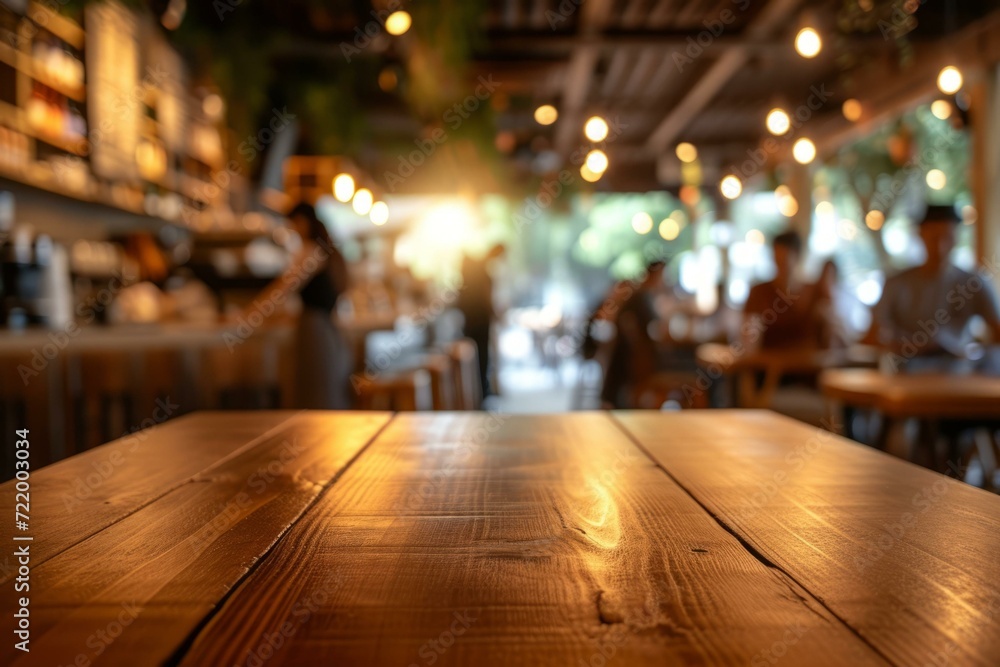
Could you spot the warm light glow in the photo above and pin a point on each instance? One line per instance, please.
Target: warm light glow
(669, 229)
(936, 179)
(949, 80)
(808, 43)
(755, 237)
(642, 222)
(804, 151)
(379, 213)
(852, 110)
(941, 109)
(596, 129)
(388, 80)
(730, 187)
(686, 152)
(690, 195)
(782, 191)
(875, 219)
(597, 161)
(778, 122)
(825, 208)
(398, 23)
(546, 114)
(588, 175)
(213, 106)
(362, 202)
(343, 187)
(788, 206)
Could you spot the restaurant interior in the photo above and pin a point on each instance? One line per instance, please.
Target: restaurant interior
(628, 210)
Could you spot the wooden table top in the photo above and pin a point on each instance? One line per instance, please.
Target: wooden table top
(919, 395)
(730, 358)
(703, 537)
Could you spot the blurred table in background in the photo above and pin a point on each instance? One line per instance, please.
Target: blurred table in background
(972, 400)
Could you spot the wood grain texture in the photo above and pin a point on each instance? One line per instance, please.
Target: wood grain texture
(471, 539)
(80, 496)
(165, 566)
(905, 556)
(934, 396)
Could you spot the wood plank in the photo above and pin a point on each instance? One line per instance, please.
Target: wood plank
(168, 564)
(514, 540)
(114, 480)
(904, 555)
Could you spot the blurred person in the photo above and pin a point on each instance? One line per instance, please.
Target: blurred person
(475, 301)
(923, 317)
(318, 273)
(635, 358)
(827, 307)
(779, 314)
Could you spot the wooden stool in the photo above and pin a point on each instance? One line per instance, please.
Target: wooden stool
(405, 391)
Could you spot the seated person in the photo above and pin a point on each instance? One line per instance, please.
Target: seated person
(924, 313)
(634, 358)
(780, 313)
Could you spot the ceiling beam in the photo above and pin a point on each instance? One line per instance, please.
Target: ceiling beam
(580, 72)
(774, 14)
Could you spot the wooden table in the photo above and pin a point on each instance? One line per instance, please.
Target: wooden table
(927, 397)
(693, 538)
(745, 365)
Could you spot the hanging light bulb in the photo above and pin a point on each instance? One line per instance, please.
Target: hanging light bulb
(804, 151)
(686, 152)
(949, 81)
(546, 114)
(731, 187)
(642, 222)
(852, 110)
(398, 23)
(343, 187)
(362, 202)
(379, 214)
(941, 109)
(778, 122)
(597, 161)
(596, 129)
(808, 43)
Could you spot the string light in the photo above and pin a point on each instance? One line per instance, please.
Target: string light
(852, 110)
(379, 213)
(597, 161)
(670, 229)
(362, 202)
(730, 187)
(343, 187)
(778, 122)
(941, 109)
(686, 152)
(546, 114)
(804, 151)
(808, 43)
(949, 81)
(875, 219)
(596, 129)
(398, 23)
(936, 180)
(588, 175)
(642, 222)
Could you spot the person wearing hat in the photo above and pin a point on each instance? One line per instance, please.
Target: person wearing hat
(923, 316)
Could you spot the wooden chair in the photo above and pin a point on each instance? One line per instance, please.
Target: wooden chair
(465, 371)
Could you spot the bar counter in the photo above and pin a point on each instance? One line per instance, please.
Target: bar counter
(722, 538)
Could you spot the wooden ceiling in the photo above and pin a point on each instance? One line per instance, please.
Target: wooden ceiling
(641, 61)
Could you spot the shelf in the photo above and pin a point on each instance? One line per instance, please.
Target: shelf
(77, 95)
(57, 24)
(77, 147)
